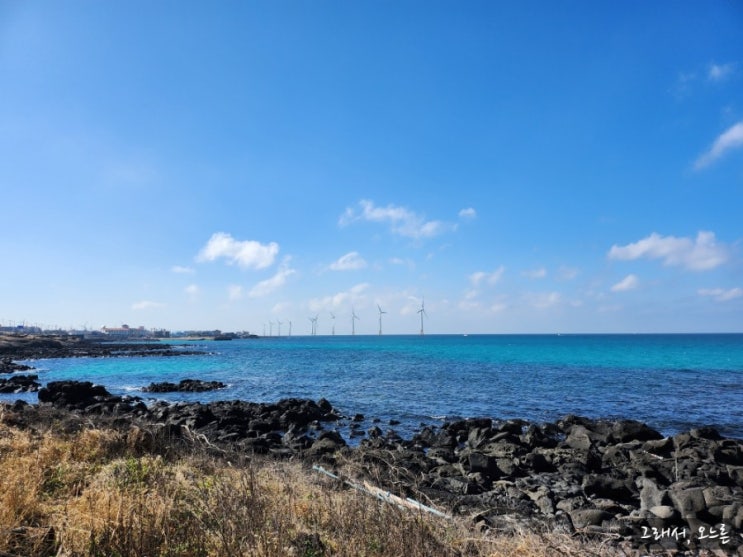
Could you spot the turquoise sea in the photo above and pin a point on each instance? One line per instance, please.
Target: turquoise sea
(672, 382)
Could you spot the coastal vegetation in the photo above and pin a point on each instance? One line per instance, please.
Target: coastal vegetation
(87, 490)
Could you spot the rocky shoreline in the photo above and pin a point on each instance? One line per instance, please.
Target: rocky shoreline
(36, 347)
(618, 480)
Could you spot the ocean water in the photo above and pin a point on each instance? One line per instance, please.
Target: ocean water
(671, 382)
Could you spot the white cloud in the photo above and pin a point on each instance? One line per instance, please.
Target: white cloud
(721, 295)
(352, 261)
(567, 273)
(535, 273)
(492, 278)
(545, 300)
(468, 305)
(247, 253)
(630, 282)
(146, 304)
(182, 270)
(235, 291)
(468, 214)
(401, 220)
(409, 263)
(684, 83)
(730, 139)
(192, 290)
(700, 254)
(339, 300)
(719, 72)
(272, 284)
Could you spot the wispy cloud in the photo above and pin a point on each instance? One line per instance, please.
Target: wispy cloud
(720, 294)
(539, 273)
(340, 299)
(178, 269)
(683, 84)
(492, 278)
(402, 221)
(247, 253)
(729, 140)
(468, 214)
(235, 292)
(700, 254)
(409, 263)
(193, 291)
(630, 282)
(567, 273)
(352, 261)
(146, 304)
(544, 300)
(720, 72)
(272, 284)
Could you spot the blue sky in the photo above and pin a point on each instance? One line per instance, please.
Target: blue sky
(523, 167)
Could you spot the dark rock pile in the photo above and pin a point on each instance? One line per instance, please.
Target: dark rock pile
(286, 428)
(9, 366)
(86, 398)
(620, 478)
(184, 386)
(19, 384)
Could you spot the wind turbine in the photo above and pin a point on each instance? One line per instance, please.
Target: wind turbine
(290, 328)
(380, 318)
(332, 316)
(279, 323)
(354, 317)
(270, 328)
(313, 320)
(422, 312)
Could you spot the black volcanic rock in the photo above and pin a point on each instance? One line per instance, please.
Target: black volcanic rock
(185, 385)
(9, 366)
(73, 394)
(87, 398)
(19, 384)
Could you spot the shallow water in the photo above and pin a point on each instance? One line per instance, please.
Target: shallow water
(671, 382)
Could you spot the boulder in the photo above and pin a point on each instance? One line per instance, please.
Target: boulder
(19, 384)
(583, 518)
(185, 385)
(9, 366)
(73, 394)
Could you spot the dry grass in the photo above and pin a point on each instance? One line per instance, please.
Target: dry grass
(100, 492)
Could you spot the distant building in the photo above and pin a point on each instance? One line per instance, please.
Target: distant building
(21, 329)
(125, 332)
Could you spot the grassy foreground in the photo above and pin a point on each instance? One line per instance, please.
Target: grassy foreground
(104, 492)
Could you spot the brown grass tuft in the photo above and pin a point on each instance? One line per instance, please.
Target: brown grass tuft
(101, 492)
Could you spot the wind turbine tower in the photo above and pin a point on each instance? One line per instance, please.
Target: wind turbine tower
(279, 324)
(332, 316)
(290, 328)
(270, 328)
(422, 312)
(380, 318)
(354, 317)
